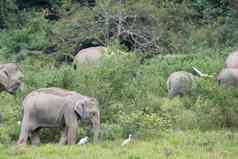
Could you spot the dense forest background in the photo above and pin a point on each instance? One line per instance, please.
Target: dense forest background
(148, 40)
(62, 27)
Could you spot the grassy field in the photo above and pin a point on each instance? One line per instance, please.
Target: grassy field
(221, 144)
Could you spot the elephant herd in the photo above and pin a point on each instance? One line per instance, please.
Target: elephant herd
(56, 107)
(180, 83)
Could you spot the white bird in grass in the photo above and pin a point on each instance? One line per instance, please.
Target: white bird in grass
(125, 142)
(83, 140)
(18, 122)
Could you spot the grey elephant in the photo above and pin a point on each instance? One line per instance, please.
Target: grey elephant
(179, 83)
(228, 77)
(89, 55)
(56, 107)
(10, 78)
(232, 60)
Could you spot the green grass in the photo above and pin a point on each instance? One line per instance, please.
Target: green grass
(168, 145)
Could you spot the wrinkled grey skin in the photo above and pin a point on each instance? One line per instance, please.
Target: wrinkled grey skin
(232, 60)
(179, 83)
(228, 77)
(89, 55)
(234, 4)
(10, 78)
(55, 107)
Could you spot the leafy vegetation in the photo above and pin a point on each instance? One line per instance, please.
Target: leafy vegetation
(133, 96)
(43, 37)
(152, 27)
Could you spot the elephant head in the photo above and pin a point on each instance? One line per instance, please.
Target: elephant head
(228, 77)
(11, 78)
(87, 109)
(8, 84)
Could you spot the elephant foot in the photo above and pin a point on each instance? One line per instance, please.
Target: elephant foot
(22, 141)
(36, 137)
(63, 137)
(35, 142)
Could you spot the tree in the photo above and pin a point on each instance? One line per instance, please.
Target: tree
(8, 14)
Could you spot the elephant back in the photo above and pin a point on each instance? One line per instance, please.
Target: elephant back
(89, 55)
(57, 91)
(232, 60)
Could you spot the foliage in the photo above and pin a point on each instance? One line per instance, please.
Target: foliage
(133, 96)
(130, 88)
(150, 27)
(8, 14)
(32, 39)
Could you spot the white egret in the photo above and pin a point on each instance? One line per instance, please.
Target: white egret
(83, 140)
(19, 122)
(125, 142)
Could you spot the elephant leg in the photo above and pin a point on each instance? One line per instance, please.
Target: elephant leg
(63, 138)
(36, 137)
(71, 124)
(71, 135)
(23, 136)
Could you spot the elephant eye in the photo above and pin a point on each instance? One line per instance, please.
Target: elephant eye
(93, 114)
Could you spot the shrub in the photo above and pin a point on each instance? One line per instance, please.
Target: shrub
(8, 14)
(111, 131)
(30, 39)
(132, 96)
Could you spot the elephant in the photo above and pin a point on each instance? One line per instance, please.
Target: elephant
(233, 3)
(228, 77)
(89, 55)
(57, 108)
(232, 60)
(179, 83)
(10, 78)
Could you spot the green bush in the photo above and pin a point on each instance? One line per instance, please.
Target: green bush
(111, 131)
(132, 92)
(27, 40)
(132, 96)
(8, 15)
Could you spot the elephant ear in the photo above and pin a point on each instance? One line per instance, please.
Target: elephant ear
(79, 108)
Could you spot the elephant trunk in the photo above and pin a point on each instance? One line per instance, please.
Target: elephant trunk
(96, 126)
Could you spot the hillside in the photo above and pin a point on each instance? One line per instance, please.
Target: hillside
(147, 40)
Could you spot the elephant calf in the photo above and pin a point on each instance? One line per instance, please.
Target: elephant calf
(179, 83)
(56, 107)
(228, 77)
